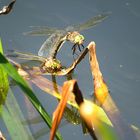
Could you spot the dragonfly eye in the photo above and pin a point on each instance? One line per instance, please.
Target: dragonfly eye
(79, 39)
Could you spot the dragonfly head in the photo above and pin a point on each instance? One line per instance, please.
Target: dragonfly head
(79, 39)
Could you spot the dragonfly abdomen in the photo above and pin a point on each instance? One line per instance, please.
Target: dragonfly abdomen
(51, 46)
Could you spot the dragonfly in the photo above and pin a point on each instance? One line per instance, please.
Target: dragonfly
(46, 65)
(57, 37)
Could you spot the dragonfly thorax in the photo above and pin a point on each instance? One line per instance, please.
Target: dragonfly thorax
(75, 37)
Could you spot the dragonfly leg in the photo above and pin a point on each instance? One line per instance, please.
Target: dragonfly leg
(82, 46)
(74, 49)
(79, 47)
(73, 46)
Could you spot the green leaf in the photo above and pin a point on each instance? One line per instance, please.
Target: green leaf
(1, 49)
(13, 121)
(4, 84)
(11, 71)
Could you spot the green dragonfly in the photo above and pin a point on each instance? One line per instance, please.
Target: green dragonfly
(57, 37)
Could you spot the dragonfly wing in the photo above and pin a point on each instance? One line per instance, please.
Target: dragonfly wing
(91, 22)
(26, 56)
(50, 47)
(42, 31)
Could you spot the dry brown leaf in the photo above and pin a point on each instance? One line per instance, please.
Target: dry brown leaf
(58, 113)
(103, 97)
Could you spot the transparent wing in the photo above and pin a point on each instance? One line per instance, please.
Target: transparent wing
(91, 22)
(50, 47)
(26, 56)
(42, 31)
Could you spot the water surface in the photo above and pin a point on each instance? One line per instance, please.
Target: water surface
(118, 51)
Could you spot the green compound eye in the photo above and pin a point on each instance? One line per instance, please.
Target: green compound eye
(82, 37)
(79, 38)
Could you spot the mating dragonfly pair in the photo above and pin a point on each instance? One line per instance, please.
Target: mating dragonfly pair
(56, 39)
